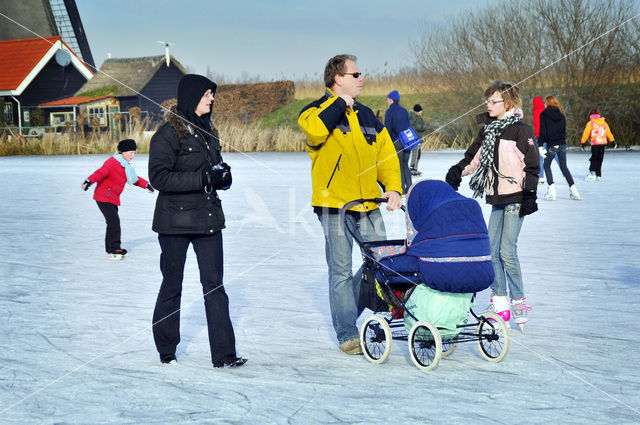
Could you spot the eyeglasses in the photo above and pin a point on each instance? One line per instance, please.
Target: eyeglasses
(355, 74)
(492, 102)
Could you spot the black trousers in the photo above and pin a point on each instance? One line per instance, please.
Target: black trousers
(597, 156)
(405, 172)
(166, 315)
(112, 236)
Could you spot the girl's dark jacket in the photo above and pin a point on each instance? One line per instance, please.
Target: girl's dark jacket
(553, 128)
(178, 154)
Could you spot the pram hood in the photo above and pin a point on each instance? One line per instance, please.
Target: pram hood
(436, 211)
(451, 247)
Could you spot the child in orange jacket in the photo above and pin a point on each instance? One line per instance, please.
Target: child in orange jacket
(111, 178)
(596, 130)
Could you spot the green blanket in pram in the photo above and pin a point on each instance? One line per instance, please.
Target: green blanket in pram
(446, 310)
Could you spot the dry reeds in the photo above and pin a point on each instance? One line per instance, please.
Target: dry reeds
(235, 137)
(73, 143)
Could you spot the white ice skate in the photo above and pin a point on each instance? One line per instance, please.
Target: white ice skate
(500, 306)
(591, 177)
(574, 194)
(551, 193)
(520, 310)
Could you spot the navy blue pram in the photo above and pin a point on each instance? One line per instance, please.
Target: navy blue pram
(446, 255)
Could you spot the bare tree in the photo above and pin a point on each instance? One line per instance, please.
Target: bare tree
(582, 51)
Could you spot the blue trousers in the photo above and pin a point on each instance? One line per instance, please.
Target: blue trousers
(344, 287)
(504, 227)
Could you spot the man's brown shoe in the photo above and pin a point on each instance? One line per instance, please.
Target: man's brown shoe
(351, 347)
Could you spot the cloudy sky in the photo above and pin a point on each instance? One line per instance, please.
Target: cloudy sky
(271, 39)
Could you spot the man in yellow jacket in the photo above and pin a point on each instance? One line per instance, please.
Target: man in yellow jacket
(352, 155)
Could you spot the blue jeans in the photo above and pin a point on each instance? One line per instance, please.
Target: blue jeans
(561, 152)
(344, 287)
(504, 227)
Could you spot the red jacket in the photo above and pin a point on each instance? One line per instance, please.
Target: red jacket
(111, 179)
(538, 107)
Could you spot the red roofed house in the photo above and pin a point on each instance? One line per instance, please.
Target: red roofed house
(35, 71)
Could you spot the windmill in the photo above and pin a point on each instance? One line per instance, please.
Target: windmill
(166, 50)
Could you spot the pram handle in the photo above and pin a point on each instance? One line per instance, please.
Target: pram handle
(348, 205)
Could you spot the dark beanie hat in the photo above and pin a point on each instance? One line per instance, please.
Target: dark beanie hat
(417, 108)
(191, 88)
(127, 145)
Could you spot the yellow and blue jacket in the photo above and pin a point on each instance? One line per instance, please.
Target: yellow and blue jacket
(351, 153)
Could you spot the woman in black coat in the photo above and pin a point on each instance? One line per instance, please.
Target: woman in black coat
(553, 132)
(185, 166)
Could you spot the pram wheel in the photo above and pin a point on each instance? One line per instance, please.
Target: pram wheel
(425, 345)
(449, 346)
(493, 337)
(375, 339)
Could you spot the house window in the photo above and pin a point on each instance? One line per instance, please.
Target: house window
(97, 112)
(59, 118)
(8, 113)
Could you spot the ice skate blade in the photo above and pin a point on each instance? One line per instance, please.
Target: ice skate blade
(116, 257)
(521, 327)
(505, 322)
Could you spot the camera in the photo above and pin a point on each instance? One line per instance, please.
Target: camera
(226, 171)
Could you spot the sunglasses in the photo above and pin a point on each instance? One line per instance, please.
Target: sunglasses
(492, 102)
(355, 74)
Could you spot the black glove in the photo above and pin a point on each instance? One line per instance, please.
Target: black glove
(454, 177)
(150, 188)
(613, 144)
(86, 184)
(529, 205)
(221, 176)
(582, 147)
(216, 177)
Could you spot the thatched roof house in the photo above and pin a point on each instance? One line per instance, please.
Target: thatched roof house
(136, 82)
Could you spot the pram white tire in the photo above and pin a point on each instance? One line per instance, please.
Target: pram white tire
(374, 348)
(493, 338)
(449, 346)
(425, 345)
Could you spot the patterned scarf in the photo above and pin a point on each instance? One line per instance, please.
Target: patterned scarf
(486, 172)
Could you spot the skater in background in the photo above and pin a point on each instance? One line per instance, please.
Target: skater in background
(598, 132)
(186, 167)
(396, 120)
(417, 123)
(505, 160)
(553, 134)
(111, 178)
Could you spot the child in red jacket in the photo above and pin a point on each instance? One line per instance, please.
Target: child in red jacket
(111, 177)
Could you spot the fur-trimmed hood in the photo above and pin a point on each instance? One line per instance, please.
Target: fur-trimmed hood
(181, 125)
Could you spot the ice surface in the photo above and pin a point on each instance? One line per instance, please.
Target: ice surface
(76, 343)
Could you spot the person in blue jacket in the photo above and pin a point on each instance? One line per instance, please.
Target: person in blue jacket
(396, 119)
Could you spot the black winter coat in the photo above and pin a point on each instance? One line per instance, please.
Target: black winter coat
(178, 154)
(553, 128)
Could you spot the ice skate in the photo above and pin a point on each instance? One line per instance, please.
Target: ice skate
(575, 195)
(520, 310)
(540, 180)
(591, 177)
(551, 193)
(118, 254)
(500, 306)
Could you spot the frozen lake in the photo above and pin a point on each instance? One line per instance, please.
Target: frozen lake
(76, 344)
